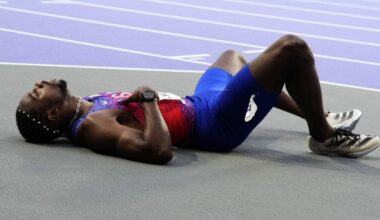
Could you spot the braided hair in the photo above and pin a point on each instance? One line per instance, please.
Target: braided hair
(33, 127)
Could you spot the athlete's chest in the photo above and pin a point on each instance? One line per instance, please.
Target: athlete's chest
(106, 118)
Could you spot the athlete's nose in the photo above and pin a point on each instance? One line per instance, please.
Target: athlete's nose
(38, 84)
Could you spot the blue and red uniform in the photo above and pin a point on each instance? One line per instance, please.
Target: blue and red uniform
(219, 116)
(178, 113)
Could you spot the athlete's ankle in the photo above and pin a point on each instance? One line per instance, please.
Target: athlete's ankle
(322, 136)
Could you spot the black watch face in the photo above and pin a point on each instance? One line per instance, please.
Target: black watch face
(149, 95)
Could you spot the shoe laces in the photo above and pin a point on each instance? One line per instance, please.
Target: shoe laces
(342, 134)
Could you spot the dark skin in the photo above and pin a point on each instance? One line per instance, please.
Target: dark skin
(109, 131)
(287, 62)
(122, 134)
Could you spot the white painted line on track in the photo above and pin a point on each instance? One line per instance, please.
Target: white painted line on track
(309, 10)
(372, 1)
(347, 60)
(331, 3)
(273, 17)
(194, 37)
(350, 86)
(228, 24)
(195, 58)
(277, 31)
(252, 51)
(192, 56)
(156, 70)
(101, 67)
(55, 2)
(342, 40)
(178, 34)
(66, 40)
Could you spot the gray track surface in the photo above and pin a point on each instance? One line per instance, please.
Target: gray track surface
(271, 176)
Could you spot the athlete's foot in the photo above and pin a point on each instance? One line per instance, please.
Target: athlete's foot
(345, 143)
(344, 120)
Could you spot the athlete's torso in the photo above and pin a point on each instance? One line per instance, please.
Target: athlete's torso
(178, 113)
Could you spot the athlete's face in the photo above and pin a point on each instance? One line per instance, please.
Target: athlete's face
(44, 94)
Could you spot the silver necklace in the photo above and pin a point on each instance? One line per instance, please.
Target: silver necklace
(77, 109)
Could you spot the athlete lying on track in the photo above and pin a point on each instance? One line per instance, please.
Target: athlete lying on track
(230, 100)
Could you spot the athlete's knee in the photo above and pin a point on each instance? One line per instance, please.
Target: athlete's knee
(234, 55)
(296, 48)
(292, 41)
(230, 52)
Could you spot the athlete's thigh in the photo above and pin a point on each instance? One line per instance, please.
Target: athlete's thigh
(218, 75)
(213, 80)
(242, 105)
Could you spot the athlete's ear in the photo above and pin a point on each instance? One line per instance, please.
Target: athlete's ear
(53, 114)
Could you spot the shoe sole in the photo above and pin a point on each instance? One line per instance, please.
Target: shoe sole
(362, 153)
(351, 155)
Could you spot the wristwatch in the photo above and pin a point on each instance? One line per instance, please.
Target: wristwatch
(148, 96)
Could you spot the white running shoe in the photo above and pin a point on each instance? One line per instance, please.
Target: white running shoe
(344, 120)
(345, 143)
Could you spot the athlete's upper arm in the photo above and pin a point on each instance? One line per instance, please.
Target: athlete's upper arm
(109, 137)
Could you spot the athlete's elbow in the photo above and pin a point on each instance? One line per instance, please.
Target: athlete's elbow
(157, 153)
(161, 152)
(162, 157)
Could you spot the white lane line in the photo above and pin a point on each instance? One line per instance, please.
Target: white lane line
(252, 51)
(347, 60)
(370, 8)
(179, 35)
(156, 70)
(192, 56)
(361, 1)
(290, 8)
(83, 43)
(56, 2)
(101, 67)
(372, 1)
(156, 55)
(350, 86)
(273, 17)
(194, 37)
(162, 56)
(246, 27)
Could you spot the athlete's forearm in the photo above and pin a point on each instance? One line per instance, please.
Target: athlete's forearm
(154, 146)
(156, 132)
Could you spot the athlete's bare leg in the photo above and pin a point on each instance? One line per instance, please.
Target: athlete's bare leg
(286, 103)
(232, 62)
(290, 62)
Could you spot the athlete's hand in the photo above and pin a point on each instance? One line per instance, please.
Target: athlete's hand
(135, 96)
